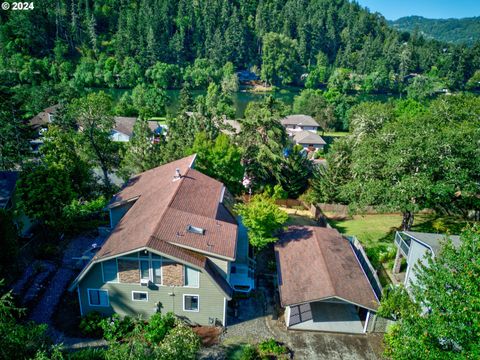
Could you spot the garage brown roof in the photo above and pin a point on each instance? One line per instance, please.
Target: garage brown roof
(165, 207)
(316, 264)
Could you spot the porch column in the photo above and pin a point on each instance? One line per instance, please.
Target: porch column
(398, 262)
(287, 316)
(365, 328)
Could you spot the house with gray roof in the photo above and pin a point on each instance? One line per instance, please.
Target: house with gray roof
(300, 123)
(123, 128)
(416, 247)
(310, 141)
(174, 246)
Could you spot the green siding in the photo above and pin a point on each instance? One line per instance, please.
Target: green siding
(221, 265)
(120, 297)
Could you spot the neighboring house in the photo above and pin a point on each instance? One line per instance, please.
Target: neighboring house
(174, 246)
(43, 118)
(300, 123)
(415, 247)
(310, 141)
(8, 183)
(123, 129)
(39, 123)
(322, 284)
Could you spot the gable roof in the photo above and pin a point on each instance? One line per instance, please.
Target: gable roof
(308, 137)
(303, 120)
(434, 241)
(125, 124)
(316, 264)
(41, 119)
(163, 208)
(8, 180)
(166, 207)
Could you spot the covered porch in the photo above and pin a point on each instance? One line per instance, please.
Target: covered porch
(329, 316)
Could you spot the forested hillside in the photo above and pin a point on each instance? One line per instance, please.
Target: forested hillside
(459, 31)
(121, 43)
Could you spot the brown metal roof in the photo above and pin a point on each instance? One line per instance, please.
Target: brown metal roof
(317, 263)
(164, 209)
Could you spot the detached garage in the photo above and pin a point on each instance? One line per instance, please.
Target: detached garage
(322, 285)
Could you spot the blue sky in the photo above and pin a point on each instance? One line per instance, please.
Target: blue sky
(434, 9)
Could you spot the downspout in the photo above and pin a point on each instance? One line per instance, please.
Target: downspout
(79, 300)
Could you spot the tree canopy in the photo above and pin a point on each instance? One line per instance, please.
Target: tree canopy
(444, 321)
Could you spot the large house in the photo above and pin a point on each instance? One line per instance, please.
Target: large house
(302, 130)
(415, 247)
(323, 281)
(174, 246)
(300, 123)
(310, 141)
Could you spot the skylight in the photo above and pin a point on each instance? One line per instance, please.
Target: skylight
(195, 230)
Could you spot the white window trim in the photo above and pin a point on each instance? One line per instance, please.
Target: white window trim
(185, 276)
(198, 302)
(103, 277)
(150, 278)
(161, 271)
(140, 292)
(88, 296)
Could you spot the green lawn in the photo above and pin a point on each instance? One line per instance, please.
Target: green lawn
(376, 232)
(334, 133)
(162, 120)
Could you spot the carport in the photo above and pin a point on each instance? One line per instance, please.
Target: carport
(321, 282)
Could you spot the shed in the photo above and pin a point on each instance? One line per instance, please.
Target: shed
(322, 284)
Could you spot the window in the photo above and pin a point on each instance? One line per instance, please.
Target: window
(190, 303)
(98, 297)
(144, 270)
(191, 277)
(139, 296)
(157, 272)
(110, 271)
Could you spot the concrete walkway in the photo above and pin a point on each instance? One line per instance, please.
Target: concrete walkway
(47, 304)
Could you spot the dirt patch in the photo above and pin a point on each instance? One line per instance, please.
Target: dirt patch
(209, 335)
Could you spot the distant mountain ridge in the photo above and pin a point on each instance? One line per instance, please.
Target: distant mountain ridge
(459, 31)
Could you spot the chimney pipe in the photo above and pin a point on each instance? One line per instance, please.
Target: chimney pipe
(178, 175)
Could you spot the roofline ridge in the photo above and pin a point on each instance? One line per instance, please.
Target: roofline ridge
(324, 261)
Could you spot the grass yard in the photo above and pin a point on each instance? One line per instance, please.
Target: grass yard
(162, 120)
(376, 232)
(334, 133)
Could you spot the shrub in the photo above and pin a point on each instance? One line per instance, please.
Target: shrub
(90, 325)
(181, 343)
(158, 327)
(249, 352)
(87, 354)
(271, 347)
(115, 328)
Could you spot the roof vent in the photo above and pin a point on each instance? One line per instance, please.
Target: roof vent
(177, 175)
(195, 230)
